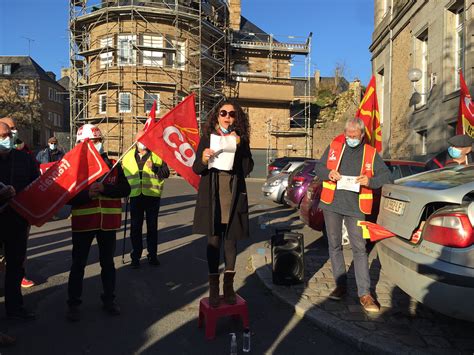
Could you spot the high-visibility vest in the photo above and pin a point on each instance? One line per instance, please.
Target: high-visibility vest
(101, 213)
(149, 184)
(336, 150)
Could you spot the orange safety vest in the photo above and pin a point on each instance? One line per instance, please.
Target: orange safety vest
(101, 213)
(336, 150)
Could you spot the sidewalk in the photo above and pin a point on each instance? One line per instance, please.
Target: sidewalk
(402, 326)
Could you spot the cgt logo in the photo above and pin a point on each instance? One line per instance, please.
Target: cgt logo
(368, 166)
(332, 155)
(185, 152)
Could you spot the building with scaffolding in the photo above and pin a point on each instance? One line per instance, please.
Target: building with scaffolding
(126, 53)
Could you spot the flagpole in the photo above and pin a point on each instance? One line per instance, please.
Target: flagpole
(118, 161)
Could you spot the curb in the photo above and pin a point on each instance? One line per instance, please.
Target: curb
(364, 340)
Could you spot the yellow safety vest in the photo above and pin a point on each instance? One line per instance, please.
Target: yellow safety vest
(149, 184)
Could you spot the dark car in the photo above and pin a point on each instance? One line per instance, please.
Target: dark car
(298, 182)
(275, 167)
(312, 215)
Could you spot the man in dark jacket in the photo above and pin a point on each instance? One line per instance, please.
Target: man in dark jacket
(96, 213)
(50, 154)
(350, 171)
(459, 152)
(17, 170)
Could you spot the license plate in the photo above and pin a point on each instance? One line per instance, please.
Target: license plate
(394, 206)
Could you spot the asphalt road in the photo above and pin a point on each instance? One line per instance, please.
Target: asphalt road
(159, 304)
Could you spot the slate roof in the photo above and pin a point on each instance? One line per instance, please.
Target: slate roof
(24, 67)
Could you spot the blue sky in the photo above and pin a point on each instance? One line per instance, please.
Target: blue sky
(341, 29)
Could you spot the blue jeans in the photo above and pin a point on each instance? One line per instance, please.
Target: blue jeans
(361, 263)
(141, 206)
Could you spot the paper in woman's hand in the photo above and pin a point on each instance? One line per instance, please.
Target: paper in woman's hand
(224, 148)
(348, 183)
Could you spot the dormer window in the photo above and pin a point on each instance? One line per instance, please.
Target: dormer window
(5, 69)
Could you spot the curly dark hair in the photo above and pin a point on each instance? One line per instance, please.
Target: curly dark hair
(241, 122)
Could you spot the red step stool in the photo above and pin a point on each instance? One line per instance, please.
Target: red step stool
(210, 315)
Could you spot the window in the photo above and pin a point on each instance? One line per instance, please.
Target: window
(50, 94)
(107, 57)
(459, 47)
(103, 103)
(152, 58)
(423, 137)
(180, 59)
(297, 122)
(56, 119)
(125, 104)
(23, 90)
(50, 116)
(149, 99)
(5, 69)
(127, 53)
(421, 62)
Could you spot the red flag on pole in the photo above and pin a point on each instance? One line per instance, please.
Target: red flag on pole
(466, 110)
(152, 118)
(175, 138)
(369, 113)
(79, 168)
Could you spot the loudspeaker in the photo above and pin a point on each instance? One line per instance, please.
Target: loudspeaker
(287, 258)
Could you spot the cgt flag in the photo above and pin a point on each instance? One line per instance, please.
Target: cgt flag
(175, 138)
(374, 231)
(369, 112)
(79, 168)
(466, 110)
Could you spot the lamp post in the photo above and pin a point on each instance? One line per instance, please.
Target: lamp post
(415, 75)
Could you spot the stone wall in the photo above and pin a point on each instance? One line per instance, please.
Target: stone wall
(324, 134)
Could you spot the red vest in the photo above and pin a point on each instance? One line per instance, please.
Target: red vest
(101, 213)
(336, 150)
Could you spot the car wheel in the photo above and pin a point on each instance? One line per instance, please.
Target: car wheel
(282, 199)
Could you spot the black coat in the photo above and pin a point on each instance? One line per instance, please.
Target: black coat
(205, 212)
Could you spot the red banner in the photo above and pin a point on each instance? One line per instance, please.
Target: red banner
(175, 138)
(466, 111)
(46, 166)
(79, 168)
(374, 231)
(369, 112)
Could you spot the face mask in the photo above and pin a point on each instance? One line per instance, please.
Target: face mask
(223, 130)
(141, 146)
(14, 134)
(52, 146)
(454, 152)
(6, 144)
(99, 147)
(352, 142)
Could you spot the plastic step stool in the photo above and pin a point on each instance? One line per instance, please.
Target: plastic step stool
(209, 315)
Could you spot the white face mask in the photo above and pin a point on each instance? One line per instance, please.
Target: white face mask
(14, 135)
(99, 147)
(141, 146)
(52, 146)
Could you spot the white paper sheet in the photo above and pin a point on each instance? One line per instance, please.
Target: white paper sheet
(348, 183)
(224, 148)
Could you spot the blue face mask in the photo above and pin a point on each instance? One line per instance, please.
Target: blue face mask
(6, 144)
(352, 142)
(223, 130)
(454, 152)
(99, 147)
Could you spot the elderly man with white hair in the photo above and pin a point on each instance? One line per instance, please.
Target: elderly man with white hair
(350, 170)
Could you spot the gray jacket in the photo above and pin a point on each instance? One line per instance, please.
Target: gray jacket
(347, 202)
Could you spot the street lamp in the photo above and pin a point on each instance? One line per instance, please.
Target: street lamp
(415, 75)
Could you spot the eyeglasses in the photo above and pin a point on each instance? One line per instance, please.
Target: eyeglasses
(224, 113)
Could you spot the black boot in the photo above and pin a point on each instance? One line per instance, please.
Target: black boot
(214, 290)
(229, 293)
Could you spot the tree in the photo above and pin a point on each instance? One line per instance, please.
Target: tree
(23, 106)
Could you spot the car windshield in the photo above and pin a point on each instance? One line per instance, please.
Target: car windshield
(441, 179)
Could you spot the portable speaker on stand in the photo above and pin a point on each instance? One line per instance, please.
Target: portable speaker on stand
(287, 258)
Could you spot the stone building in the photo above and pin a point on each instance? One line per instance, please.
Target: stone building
(33, 97)
(434, 37)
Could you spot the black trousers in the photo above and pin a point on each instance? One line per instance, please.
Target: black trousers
(81, 244)
(141, 206)
(14, 235)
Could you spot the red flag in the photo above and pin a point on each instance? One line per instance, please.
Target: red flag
(466, 110)
(175, 138)
(369, 112)
(374, 231)
(152, 118)
(46, 166)
(79, 168)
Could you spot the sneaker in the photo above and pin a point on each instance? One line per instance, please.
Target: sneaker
(73, 314)
(153, 260)
(338, 293)
(135, 264)
(111, 308)
(25, 283)
(21, 314)
(369, 304)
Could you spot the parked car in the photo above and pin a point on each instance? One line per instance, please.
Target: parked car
(275, 187)
(298, 182)
(312, 215)
(432, 256)
(276, 166)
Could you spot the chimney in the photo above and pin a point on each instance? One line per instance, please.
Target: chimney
(51, 75)
(65, 72)
(317, 78)
(234, 9)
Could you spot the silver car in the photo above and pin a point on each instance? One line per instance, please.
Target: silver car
(432, 256)
(275, 187)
